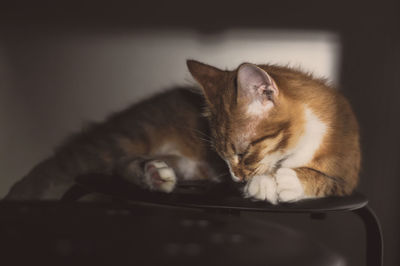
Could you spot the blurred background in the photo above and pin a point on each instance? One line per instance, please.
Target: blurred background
(63, 65)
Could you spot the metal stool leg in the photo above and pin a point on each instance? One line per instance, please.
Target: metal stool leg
(374, 236)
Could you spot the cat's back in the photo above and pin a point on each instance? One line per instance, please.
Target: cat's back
(156, 117)
(170, 103)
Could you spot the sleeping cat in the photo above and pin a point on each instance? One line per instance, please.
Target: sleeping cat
(286, 135)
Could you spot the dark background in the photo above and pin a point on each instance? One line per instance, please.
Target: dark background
(370, 70)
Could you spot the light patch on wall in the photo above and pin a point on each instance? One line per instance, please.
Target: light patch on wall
(316, 52)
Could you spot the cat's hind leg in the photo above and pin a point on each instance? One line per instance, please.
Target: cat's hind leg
(161, 172)
(155, 174)
(159, 176)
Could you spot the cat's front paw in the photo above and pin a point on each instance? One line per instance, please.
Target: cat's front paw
(159, 176)
(262, 187)
(289, 187)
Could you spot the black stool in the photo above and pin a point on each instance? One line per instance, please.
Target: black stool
(225, 198)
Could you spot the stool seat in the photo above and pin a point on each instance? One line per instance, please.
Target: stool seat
(90, 233)
(206, 195)
(225, 197)
(151, 228)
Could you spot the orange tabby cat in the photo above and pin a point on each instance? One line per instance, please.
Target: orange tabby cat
(285, 134)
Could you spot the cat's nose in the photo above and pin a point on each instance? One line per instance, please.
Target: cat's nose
(237, 175)
(236, 171)
(236, 178)
(233, 171)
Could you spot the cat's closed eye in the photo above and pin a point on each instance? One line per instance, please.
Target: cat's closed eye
(268, 136)
(239, 155)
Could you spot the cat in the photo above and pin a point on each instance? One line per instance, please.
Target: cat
(283, 133)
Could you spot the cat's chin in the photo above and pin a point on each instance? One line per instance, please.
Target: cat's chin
(236, 179)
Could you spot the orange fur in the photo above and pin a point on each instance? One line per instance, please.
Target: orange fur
(334, 167)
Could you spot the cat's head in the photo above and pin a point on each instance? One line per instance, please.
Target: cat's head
(248, 115)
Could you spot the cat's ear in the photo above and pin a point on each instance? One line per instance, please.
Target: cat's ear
(256, 88)
(208, 77)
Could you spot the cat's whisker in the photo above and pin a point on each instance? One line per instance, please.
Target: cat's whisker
(221, 175)
(206, 140)
(256, 171)
(200, 134)
(197, 131)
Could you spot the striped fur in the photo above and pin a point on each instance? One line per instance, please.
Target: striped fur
(310, 129)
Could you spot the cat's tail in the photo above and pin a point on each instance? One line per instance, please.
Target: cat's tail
(50, 179)
(46, 181)
(90, 151)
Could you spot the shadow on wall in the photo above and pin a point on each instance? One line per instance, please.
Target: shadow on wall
(54, 82)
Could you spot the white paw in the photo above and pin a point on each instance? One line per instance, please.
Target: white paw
(289, 187)
(159, 176)
(262, 187)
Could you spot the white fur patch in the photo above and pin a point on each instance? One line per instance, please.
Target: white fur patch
(288, 185)
(309, 142)
(158, 176)
(168, 148)
(262, 187)
(159, 164)
(234, 177)
(236, 159)
(188, 168)
(258, 108)
(167, 174)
